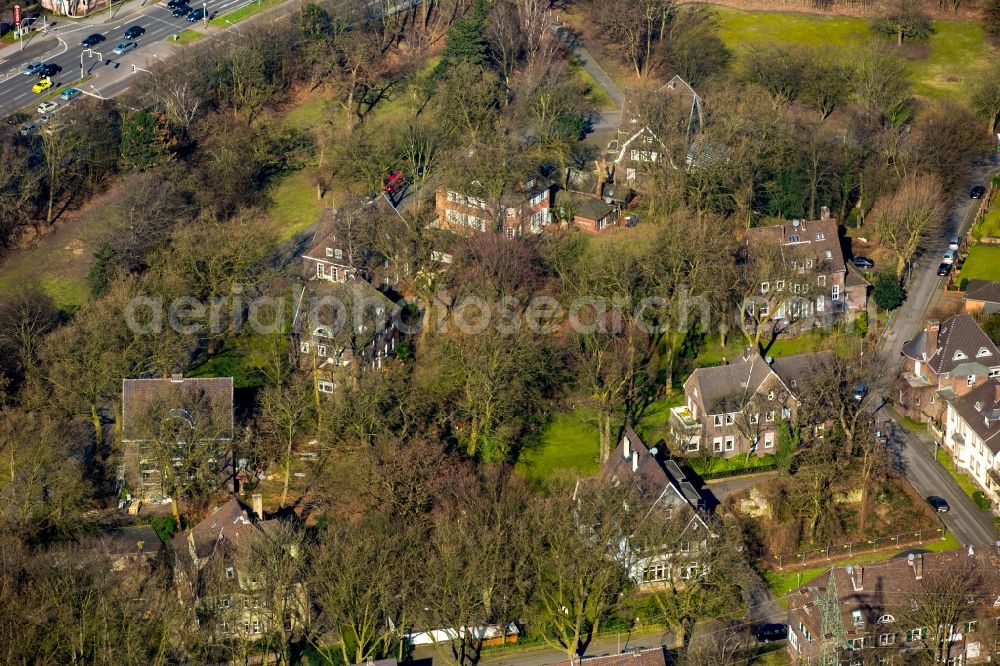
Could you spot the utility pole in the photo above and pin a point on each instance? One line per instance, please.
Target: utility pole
(204, 13)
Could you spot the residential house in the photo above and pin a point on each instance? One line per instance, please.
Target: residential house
(588, 213)
(214, 575)
(982, 296)
(810, 263)
(640, 656)
(857, 614)
(130, 547)
(638, 143)
(179, 411)
(735, 408)
(660, 479)
(946, 360)
(526, 209)
(972, 435)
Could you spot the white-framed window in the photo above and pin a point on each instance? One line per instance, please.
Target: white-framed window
(338, 253)
(229, 573)
(325, 386)
(793, 640)
(329, 251)
(718, 420)
(856, 617)
(779, 285)
(765, 287)
(730, 419)
(770, 395)
(693, 444)
(821, 280)
(717, 445)
(835, 293)
(918, 634)
(809, 263)
(796, 288)
(820, 303)
(688, 572)
(256, 626)
(855, 643)
(770, 416)
(755, 418)
(321, 350)
(794, 238)
(786, 413)
(970, 627)
(730, 444)
(886, 639)
(751, 308)
(820, 235)
(764, 307)
(304, 347)
(995, 372)
(320, 272)
(768, 440)
(971, 380)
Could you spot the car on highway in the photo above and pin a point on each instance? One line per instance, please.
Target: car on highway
(173, 4)
(31, 68)
(48, 107)
(939, 504)
(767, 633)
(181, 10)
(42, 86)
(863, 262)
(49, 69)
(977, 192)
(944, 269)
(196, 14)
(69, 94)
(134, 32)
(92, 40)
(124, 48)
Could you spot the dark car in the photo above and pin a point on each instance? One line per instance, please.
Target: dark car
(180, 10)
(196, 14)
(134, 31)
(863, 262)
(939, 504)
(92, 40)
(173, 4)
(977, 192)
(767, 633)
(944, 269)
(49, 69)
(5, 28)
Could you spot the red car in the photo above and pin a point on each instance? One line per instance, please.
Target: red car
(393, 182)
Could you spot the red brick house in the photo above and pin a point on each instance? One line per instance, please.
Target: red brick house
(588, 213)
(944, 361)
(526, 209)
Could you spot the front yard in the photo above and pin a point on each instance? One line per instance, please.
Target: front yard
(983, 263)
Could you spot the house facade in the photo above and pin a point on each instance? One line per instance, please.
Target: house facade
(874, 614)
(982, 297)
(972, 435)
(811, 277)
(637, 146)
(945, 361)
(659, 478)
(525, 210)
(158, 414)
(736, 408)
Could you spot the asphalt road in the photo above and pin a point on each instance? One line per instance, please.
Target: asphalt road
(111, 73)
(967, 522)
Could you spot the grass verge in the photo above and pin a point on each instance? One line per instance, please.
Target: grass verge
(186, 37)
(242, 13)
(983, 263)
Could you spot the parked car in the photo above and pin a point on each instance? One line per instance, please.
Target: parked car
(31, 68)
(28, 129)
(950, 256)
(48, 107)
(863, 262)
(124, 48)
(134, 31)
(181, 10)
(954, 243)
(69, 94)
(860, 391)
(92, 40)
(196, 14)
(49, 69)
(42, 86)
(882, 437)
(977, 192)
(5, 28)
(394, 182)
(173, 4)
(939, 504)
(944, 269)
(767, 633)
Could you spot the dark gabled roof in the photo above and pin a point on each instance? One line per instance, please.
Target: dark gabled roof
(818, 240)
(228, 526)
(855, 278)
(583, 206)
(131, 540)
(632, 123)
(880, 589)
(960, 339)
(743, 376)
(214, 395)
(361, 302)
(980, 409)
(983, 290)
(795, 370)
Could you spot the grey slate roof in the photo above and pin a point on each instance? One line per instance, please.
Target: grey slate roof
(978, 408)
(983, 290)
(960, 334)
(794, 370)
(215, 394)
(741, 377)
(818, 240)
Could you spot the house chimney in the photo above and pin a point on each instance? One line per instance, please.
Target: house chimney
(176, 377)
(258, 506)
(859, 571)
(824, 213)
(918, 566)
(635, 461)
(626, 447)
(933, 328)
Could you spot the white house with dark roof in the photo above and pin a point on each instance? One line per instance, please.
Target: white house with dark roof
(972, 434)
(946, 360)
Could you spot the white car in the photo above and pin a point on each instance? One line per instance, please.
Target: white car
(47, 107)
(954, 242)
(949, 256)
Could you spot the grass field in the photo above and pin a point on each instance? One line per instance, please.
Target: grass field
(956, 51)
(244, 12)
(784, 581)
(568, 442)
(186, 37)
(983, 264)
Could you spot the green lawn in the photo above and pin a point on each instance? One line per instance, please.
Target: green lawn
(955, 52)
(294, 205)
(716, 465)
(783, 582)
(602, 101)
(569, 441)
(983, 263)
(186, 37)
(990, 226)
(244, 12)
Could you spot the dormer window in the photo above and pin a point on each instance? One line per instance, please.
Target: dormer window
(229, 573)
(828, 254)
(339, 254)
(959, 355)
(983, 351)
(820, 235)
(856, 618)
(809, 263)
(329, 251)
(793, 238)
(972, 380)
(886, 619)
(979, 406)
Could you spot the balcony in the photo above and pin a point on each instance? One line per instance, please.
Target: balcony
(684, 421)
